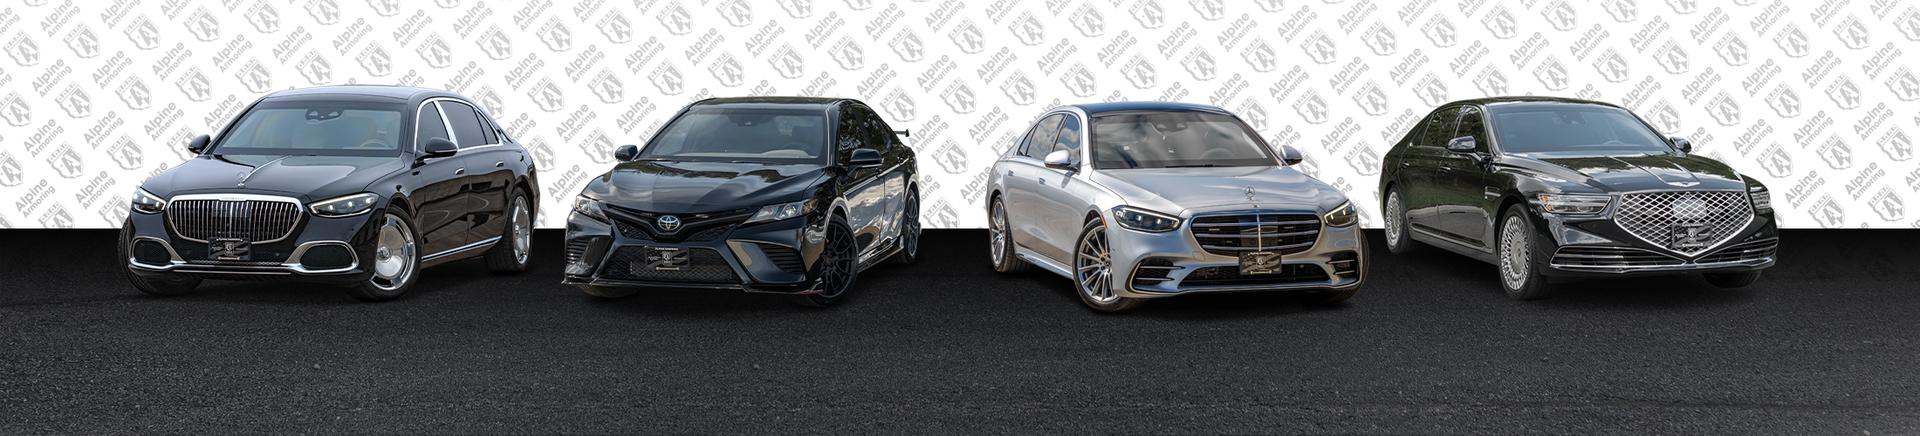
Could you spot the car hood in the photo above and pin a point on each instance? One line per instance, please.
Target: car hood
(1637, 172)
(307, 177)
(691, 187)
(1175, 190)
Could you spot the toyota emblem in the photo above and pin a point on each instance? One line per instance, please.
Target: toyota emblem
(668, 223)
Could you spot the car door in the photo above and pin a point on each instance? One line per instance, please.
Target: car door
(440, 201)
(866, 192)
(1022, 197)
(1420, 195)
(487, 176)
(892, 179)
(1465, 183)
(1058, 206)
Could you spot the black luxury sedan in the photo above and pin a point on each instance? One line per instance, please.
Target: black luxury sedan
(1546, 187)
(786, 195)
(357, 185)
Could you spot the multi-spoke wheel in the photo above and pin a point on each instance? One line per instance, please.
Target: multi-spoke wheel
(837, 267)
(1395, 212)
(510, 255)
(1093, 271)
(396, 259)
(1519, 265)
(1000, 242)
(909, 231)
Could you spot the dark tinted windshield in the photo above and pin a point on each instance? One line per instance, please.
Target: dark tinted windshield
(1173, 140)
(746, 135)
(1574, 130)
(315, 128)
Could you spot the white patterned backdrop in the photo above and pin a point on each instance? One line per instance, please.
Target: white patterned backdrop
(1816, 98)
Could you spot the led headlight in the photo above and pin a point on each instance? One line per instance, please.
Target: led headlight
(1574, 204)
(346, 205)
(776, 212)
(1761, 201)
(588, 207)
(1145, 220)
(146, 202)
(1341, 216)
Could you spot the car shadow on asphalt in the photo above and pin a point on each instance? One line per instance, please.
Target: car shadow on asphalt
(1229, 306)
(1658, 292)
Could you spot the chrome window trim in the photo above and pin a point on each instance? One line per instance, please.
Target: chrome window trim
(485, 120)
(460, 249)
(443, 121)
(299, 208)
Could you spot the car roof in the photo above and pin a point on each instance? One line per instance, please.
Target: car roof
(1485, 101)
(1093, 109)
(821, 102)
(369, 93)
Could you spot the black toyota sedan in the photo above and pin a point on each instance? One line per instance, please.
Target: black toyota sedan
(786, 195)
(357, 185)
(1546, 187)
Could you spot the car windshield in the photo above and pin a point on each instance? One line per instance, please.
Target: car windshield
(1590, 130)
(742, 135)
(315, 128)
(1175, 140)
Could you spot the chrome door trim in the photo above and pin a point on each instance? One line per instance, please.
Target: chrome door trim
(459, 249)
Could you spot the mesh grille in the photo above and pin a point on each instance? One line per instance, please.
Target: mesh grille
(1234, 234)
(703, 266)
(787, 259)
(694, 227)
(577, 248)
(1611, 257)
(1686, 222)
(250, 220)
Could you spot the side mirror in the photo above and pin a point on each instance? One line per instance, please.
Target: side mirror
(1062, 160)
(863, 158)
(1681, 144)
(1290, 155)
(1464, 144)
(198, 144)
(438, 147)
(626, 153)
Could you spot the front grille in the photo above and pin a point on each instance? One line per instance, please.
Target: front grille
(786, 258)
(1686, 222)
(1610, 257)
(694, 227)
(1153, 271)
(1230, 275)
(1238, 233)
(703, 266)
(1745, 252)
(251, 220)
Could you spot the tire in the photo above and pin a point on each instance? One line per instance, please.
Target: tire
(1733, 279)
(608, 292)
(1093, 271)
(514, 251)
(162, 287)
(395, 267)
(1394, 210)
(909, 232)
(1000, 241)
(838, 265)
(1520, 269)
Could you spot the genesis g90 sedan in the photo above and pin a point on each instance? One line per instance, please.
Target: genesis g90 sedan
(783, 195)
(1134, 201)
(1546, 187)
(359, 185)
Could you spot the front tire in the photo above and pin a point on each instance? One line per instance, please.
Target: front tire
(1732, 279)
(1394, 210)
(1520, 257)
(396, 259)
(1093, 271)
(162, 287)
(837, 264)
(1000, 241)
(513, 253)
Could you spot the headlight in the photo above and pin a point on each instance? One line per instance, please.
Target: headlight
(146, 202)
(345, 206)
(1341, 216)
(1144, 220)
(589, 207)
(776, 212)
(1574, 204)
(1761, 201)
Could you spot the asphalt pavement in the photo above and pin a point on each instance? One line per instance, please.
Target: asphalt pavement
(1826, 343)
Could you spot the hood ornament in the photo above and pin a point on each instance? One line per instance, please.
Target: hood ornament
(668, 223)
(1250, 193)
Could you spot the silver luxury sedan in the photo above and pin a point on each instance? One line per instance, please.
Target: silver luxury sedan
(1139, 200)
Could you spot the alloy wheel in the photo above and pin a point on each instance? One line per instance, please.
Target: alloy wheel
(911, 227)
(1093, 267)
(522, 230)
(1392, 226)
(394, 254)
(1515, 256)
(836, 271)
(997, 230)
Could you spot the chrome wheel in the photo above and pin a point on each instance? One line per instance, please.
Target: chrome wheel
(997, 230)
(394, 254)
(1392, 226)
(522, 229)
(1516, 258)
(1093, 267)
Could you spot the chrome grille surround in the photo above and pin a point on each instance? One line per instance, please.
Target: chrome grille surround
(1715, 217)
(1235, 232)
(1600, 256)
(255, 218)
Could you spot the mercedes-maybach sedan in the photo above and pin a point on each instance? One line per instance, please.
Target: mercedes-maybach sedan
(1547, 187)
(360, 185)
(1134, 201)
(783, 195)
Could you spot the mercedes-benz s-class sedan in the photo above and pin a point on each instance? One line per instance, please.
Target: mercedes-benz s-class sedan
(1545, 187)
(785, 195)
(359, 185)
(1141, 200)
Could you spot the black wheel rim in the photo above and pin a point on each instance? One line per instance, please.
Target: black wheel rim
(836, 261)
(912, 227)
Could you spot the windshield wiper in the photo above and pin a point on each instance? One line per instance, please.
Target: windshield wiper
(1194, 166)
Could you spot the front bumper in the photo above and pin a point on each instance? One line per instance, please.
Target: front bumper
(154, 250)
(1599, 247)
(1155, 265)
(771, 257)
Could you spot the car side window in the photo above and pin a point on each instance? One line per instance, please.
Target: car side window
(465, 123)
(491, 130)
(1069, 137)
(852, 131)
(1040, 139)
(1440, 127)
(429, 126)
(1472, 124)
(890, 144)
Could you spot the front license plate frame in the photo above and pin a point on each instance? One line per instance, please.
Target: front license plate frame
(667, 258)
(1259, 262)
(229, 249)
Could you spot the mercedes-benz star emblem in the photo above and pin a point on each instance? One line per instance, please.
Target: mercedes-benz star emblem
(668, 223)
(1250, 193)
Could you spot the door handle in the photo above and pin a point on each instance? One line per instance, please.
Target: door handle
(1009, 173)
(500, 164)
(461, 171)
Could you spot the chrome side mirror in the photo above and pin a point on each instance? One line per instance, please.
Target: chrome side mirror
(626, 153)
(1062, 160)
(1290, 155)
(1681, 144)
(1464, 144)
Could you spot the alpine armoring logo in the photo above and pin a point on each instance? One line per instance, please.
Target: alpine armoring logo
(1311, 107)
(1319, 48)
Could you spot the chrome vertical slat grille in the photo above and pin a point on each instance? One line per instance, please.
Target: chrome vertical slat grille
(1686, 222)
(1232, 234)
(256, 221)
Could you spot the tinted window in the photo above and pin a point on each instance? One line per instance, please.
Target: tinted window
(466, 124)
(1472, 124)
(492, 131)
(1040, 139)
(1175, 139)
(1578, 129)
(748, 135)
(1440, 127)
(310, 127)
(430, 125)
(1069, 134)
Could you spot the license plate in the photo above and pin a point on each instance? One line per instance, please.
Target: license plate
(1688, 236)
(229, 249)
(1259, 262)
(666, 258)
